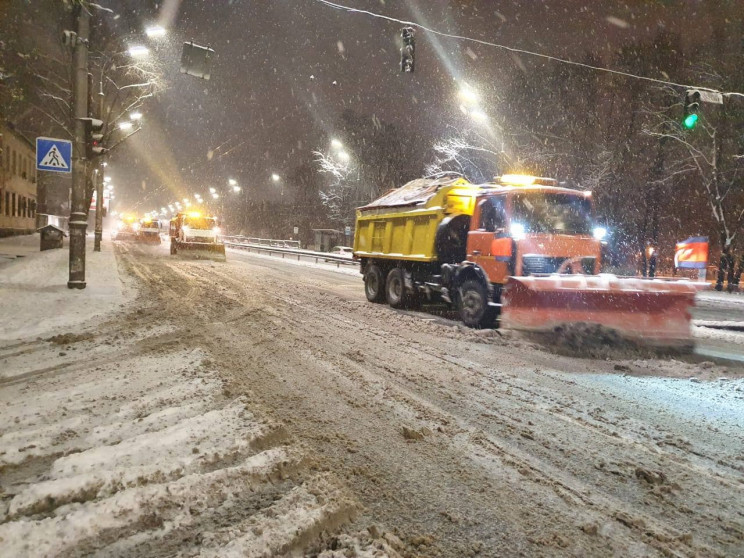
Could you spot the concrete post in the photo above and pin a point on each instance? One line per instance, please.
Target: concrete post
(78, 207)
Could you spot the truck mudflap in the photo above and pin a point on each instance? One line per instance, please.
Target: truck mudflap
(206, 250)
(650, 312)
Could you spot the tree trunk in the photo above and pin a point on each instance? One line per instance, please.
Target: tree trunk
(737, 275)
(723, 264)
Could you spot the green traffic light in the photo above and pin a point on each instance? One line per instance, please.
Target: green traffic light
(690, 121)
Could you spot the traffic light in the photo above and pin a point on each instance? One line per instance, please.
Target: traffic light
(692, 105)
(94, 138)
(407, 50)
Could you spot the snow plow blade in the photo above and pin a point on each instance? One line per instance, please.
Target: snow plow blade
(649, 312)
(202, 250)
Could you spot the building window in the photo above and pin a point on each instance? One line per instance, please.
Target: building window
(7, 203)
(13, 207)
(14, 163)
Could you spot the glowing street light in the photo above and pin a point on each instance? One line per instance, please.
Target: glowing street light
(155, 31)
(236, 189)
(215, 195)
(135, 116)
(468, 94)
(125, 126)
(232, 181)
(344, 156)
(107, 179)
(275, 177)
(478, 115)
(212, 190)
(138, 51)
(336, 144)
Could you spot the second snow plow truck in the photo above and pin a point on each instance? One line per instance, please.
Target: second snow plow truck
(197, 235)
(521, 249)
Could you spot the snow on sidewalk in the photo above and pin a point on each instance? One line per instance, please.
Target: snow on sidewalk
(34, 298)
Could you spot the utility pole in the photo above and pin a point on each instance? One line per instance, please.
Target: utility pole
(78, 214)
(99, 181)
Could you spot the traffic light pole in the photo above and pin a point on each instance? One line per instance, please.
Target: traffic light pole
(78, 215)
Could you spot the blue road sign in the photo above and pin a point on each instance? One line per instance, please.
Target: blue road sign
(53, 155)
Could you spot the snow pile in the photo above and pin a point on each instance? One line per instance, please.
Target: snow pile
(35, 300)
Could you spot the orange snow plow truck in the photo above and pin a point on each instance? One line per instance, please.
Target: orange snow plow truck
(520, 250)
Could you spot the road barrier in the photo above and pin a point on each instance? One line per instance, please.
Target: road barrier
(284, 248)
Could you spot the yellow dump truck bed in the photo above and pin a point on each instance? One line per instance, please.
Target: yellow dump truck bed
(403, 223)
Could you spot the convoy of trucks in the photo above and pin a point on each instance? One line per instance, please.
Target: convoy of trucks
(520, 249)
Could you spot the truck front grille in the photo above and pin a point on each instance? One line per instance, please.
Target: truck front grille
(534, 265)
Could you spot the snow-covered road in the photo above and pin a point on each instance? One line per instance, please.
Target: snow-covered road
(158, 431)
(119, 438)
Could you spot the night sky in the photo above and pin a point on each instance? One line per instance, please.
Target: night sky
(286, 69)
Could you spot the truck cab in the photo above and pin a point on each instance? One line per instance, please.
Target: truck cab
(533, 230)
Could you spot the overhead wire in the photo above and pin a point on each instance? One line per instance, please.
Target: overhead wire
(515, 50)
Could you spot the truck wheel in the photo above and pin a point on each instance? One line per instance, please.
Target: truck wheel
(395, 288)
(173, 248)
(374, 284)
(473, 302)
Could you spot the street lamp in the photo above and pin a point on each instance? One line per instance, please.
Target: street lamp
(275, 177)
(236, 189)
(138, 51)
(336, 144)
(212, 191)
(478, 115)
(135, 116)
(232, 181)
(468, 94)
(125, 126)
(155, 31)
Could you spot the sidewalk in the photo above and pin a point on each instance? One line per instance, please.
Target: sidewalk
(34, 298)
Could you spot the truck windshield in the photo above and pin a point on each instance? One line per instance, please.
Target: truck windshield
(201, 223)
(541, 212)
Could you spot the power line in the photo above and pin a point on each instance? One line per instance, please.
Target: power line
(517, 50)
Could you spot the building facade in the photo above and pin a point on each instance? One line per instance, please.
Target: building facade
(18, 192)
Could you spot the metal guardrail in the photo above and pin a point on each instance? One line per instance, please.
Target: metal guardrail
(241, 243)
(266, 242)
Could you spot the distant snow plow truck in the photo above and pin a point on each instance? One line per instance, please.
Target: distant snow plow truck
(196, 235)
(520, 249)
(149, 231)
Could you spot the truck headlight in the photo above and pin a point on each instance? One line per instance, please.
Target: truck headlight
(599, 233)
(518, 231)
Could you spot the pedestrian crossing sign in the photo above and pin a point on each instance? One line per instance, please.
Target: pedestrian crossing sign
(53, 155)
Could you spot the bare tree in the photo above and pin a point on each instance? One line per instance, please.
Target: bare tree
(469, 153)
(342, 185)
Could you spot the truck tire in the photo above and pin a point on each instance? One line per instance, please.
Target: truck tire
(395, 288)
(473, 304)
(374, 284)
(173, 249)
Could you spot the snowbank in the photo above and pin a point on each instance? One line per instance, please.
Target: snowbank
(34, 298)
